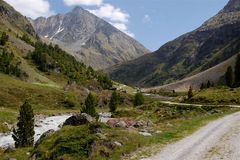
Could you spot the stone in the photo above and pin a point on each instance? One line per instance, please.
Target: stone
(145, 133)
(117, 143)
(9, 149)
(79, 119)
(121, 124)
(46, 134)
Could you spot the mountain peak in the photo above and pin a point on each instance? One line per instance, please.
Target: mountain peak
(77, 9)
(232, 6)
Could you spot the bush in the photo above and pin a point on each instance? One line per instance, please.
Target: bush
(138, 99)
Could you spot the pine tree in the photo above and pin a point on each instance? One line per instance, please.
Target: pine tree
(138, 99)
(4, 39)
(209, 84)
(90, 104)
(237, 71)
(190, 92)
(229, 77)
(113, 102)
(23, 135)
(202, 86)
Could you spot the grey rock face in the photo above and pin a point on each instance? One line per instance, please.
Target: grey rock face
(89, 38)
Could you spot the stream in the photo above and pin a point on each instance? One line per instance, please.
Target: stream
(41, 126)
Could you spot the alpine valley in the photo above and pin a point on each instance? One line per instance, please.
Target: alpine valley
(74, 87)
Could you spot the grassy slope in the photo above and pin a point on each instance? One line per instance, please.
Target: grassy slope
(44, 99)
(217, 96)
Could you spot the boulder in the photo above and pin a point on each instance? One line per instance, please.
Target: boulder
(9, 149)
(121, 124)
(145, 133)
(79, 119)
(45, 134)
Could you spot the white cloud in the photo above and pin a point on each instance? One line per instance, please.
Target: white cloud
(32, 8)
(123, 27)
(82, 2)
(110, 12)
(146, 18)
(117, 17)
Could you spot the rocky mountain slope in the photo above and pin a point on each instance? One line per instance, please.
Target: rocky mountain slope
(89, 38)
(214, 42)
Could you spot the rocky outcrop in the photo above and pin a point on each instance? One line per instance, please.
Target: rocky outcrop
(90, 39)
(46, 134)
(79, 119)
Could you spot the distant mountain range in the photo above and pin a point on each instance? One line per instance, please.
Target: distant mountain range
(88, 38)
(217, 40)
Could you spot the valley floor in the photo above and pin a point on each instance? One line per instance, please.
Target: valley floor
(217, 140)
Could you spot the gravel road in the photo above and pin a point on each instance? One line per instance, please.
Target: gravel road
(217, 140)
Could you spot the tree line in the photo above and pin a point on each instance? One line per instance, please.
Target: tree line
(232, 78)
(51, 58)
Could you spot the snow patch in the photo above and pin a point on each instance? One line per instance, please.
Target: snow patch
(60, 29)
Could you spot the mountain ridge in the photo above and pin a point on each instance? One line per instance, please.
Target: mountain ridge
(189, 54)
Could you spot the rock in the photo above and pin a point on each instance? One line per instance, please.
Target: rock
(9, 158)
(140, 123)
(158, 132)
(37, 125)
(9, 149)
(79, 119)
(117, 143)
(8, 125)
(121, 124)
(150, 123)
(46, 134)
(145, 133)
(101, 136)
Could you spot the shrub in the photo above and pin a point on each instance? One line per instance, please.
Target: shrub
(138, 99)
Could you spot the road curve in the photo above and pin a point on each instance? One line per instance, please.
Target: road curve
(217, 140)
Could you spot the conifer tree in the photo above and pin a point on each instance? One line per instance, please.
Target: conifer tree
(138, 99)
(190, 92)
(237, 71)
(209, 84)
(23, 135)
(113, 102)
(202, 86)
(4, 39)
(90, 104)
(229, 77)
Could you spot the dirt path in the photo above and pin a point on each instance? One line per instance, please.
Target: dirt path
(217, 140)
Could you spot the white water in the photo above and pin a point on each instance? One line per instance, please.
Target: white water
(41, 126)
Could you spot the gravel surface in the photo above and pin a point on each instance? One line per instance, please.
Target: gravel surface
(217, 140)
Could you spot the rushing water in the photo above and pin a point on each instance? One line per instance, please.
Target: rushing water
(41, 125)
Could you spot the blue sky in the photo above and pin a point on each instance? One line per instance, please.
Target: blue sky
(151, 22)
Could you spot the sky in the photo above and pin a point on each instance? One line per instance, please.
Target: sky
(151, 22)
